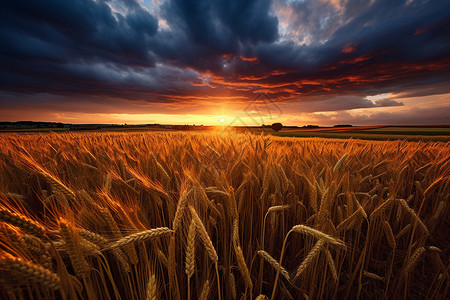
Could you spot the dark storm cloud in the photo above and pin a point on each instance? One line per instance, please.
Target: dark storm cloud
(223, 23)
(205, 34)
(384, 32)
(81, 30)
(184, 49)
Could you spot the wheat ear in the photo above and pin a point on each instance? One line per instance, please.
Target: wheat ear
(309, 258)
(151, 288)
(382, 207)
(373, 276)
(414, 258)
(274, 263)
(232, 283)
(411, 211)
(317, 234)
(205, 291)
(339, 163)
(403, 231)
(243, 267)
(72, 239)
(58, 186)
(36, 246)
(350, 221)
(141, 236)
(23, 222)
(29, 271)
(203, 234)
(190, 250)
(180, 210)
(277, 208)
(332, 265)
(129, 249)
(389, 234)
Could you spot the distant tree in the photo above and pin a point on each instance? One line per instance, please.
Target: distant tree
(343, 125)
(277, 126)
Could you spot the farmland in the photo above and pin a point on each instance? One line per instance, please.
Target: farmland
(380, 133)
(173, 215)
(410, 133)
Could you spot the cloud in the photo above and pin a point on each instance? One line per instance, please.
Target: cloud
(414, 116)
(339, 103)
(328, 54)
(387, 102)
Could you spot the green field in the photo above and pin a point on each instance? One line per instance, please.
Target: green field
(382, 133)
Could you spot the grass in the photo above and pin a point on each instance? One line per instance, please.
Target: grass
(169, 215)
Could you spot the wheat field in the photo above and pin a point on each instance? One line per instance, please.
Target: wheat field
(218, 216)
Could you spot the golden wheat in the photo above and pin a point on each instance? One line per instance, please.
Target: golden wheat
(124, 212)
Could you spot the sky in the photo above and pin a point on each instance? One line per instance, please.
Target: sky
(239, 62)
